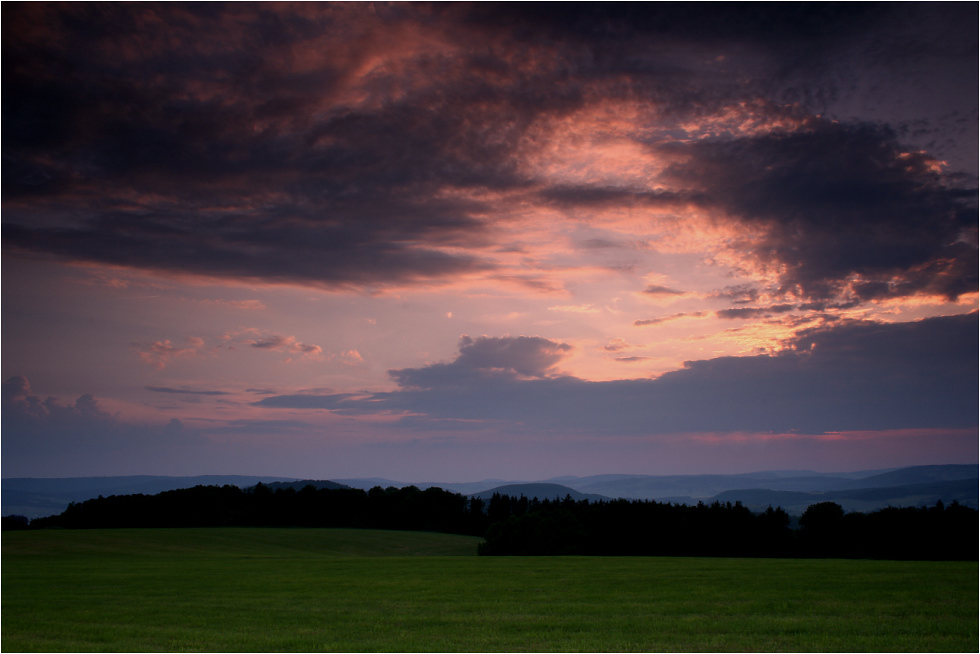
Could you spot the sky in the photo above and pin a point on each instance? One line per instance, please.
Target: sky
(451, 242)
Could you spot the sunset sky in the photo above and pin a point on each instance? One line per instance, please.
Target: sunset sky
(450, 242)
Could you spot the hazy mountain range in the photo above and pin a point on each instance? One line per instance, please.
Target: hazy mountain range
(793, 490)
(36, 497)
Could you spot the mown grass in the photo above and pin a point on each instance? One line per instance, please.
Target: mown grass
(348, 590)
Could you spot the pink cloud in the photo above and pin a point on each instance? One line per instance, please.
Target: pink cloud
(160, 353)
(618, 345)
(258, 339)
(249, 305)
(351, 358)
(676, 316)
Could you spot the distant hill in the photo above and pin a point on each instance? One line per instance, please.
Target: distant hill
(661, 487)
(793, 490)
(859, 499)
(463, 488)
(39, 497)
(540, 491)
(367, 483)
(469, 487)
(303, 483)
(856, 495)
(675, 488)
(918, 475)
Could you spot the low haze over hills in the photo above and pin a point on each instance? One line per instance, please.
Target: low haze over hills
(540, 491)
(792, 490)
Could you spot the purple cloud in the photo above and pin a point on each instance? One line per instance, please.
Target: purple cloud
(220, 147)
(503, 358)
(46, 437)
(853, 375)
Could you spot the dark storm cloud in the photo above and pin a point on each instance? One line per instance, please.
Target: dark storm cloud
(839, 201)
(216, 139)
(168, 137)
(775, 25)
(662, 44)
(847, 213)
(851, 376)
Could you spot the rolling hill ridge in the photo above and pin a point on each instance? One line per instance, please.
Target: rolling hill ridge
(792, 490)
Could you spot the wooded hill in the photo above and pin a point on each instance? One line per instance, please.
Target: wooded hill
(519, 526)
(793, 490)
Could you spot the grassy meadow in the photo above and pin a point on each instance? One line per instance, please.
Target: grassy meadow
(348, 590)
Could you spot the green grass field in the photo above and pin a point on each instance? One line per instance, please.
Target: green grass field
(349, 590)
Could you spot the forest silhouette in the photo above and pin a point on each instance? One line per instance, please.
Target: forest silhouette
(523, 526)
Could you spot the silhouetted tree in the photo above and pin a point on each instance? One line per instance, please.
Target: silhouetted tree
(821, 527)
(14, 522)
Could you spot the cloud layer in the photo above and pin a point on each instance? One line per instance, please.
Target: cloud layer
(355, 146)
(273, 221)
(854, 376)
(843, 211)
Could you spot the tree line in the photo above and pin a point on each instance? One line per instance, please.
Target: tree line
(649, 528)
(522, 526)
(407, 508)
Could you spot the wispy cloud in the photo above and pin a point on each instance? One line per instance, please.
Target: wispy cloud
(160, 354)
(754, 312)
(260, 340)
(677, 316)
(248, 305)
(617, 345)
(575, 308)
(655, 289)
(182, 391)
